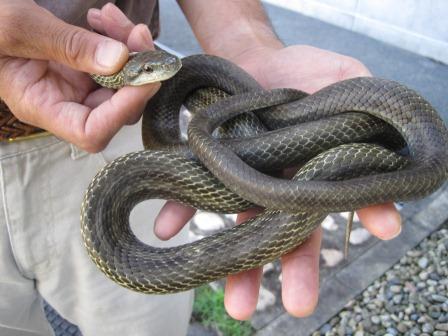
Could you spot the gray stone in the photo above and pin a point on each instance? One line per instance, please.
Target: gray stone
(434, 312)
(396, 289)
(427, 328)
(438, 298)
(359, 236)
(423, 275)
(375, 319)
(442, 326)
(443, 318)
(392, 331)
(423, 262)
(401, 327)
(332, 257)
(265, 299)
(440, 333)
(397, 299)
(329, 224)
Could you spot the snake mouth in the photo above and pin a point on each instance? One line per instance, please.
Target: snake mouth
(169, 70)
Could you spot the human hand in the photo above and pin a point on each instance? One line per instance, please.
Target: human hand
(308, 69)
(43, 61)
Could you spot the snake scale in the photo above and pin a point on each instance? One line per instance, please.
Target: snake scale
(358, 142)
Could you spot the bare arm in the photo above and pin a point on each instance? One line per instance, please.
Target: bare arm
(230, 28)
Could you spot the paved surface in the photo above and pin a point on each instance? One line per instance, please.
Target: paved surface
(344, 279)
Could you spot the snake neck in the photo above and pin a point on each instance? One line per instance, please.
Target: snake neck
(115, 81)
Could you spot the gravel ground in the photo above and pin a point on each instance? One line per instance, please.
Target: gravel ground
(409, 299)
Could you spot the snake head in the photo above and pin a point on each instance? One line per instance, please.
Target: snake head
(149, 67)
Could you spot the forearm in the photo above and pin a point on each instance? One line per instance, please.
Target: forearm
(229, 28)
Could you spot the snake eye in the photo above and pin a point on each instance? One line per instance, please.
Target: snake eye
(147, 68)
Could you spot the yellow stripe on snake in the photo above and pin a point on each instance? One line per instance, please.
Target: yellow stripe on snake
(358, 142)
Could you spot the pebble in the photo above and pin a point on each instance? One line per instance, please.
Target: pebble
(409, 299)
(397, 299)
(423, 275)
(401, 327)
(438, 298)
(375, 319)
(331, 257)
(440, 333)
(265, 299)
(442, 326)
(359, 236)
(434, 312)
(392, 331)
(427, 328)
(423, 262)
(395, 289)
(329, 224)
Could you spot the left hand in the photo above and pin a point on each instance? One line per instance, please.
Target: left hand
(308, 69)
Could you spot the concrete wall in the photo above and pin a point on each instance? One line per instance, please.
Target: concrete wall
(420, 26)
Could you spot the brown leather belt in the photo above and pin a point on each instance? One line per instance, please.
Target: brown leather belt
(12, 129)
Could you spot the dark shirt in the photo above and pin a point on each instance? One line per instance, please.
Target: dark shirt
(74, 11)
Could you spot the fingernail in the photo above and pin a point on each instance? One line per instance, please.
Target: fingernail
(94, 13)
(396, 220)
(109, 53)
(116, 14)
(396, 234)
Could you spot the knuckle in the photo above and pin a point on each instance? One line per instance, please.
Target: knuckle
(90, 143)
(72, 46)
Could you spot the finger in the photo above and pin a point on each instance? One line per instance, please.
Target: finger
(91, 129)
(94, 20)
(383, 221)
(241, 293)
(140, 39)
(171, 219)
(29, 31)
(300, 277)
(98, 97)
(241, 290)
(111, 21)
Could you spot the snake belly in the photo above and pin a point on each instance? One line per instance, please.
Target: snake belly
(358, 142)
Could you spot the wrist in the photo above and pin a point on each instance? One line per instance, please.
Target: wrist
(239, 39)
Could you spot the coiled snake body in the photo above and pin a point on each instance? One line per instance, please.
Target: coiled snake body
(359, 142)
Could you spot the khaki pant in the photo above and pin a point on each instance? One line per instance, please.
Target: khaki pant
(42, 183)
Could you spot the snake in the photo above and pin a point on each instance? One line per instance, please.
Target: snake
(355, 143)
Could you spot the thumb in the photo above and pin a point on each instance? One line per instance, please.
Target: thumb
(30, 31)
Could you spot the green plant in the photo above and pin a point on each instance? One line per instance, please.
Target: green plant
(208, 309)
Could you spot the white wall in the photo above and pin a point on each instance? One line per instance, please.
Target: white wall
(420, 26)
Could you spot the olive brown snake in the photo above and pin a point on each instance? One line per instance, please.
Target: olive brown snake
(359, 142)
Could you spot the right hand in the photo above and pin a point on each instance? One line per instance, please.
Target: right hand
(43, 65)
